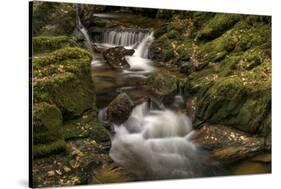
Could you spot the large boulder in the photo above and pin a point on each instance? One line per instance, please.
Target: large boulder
(45, 44)
(47, 130)
(63, 77)
(116, 57)
(229, 101)
(119, 110)
(164, 86)
(50, 18)
(63, 95)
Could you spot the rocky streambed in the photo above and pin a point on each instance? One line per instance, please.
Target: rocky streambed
(188, 91)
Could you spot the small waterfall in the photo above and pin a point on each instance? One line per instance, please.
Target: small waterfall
(142, 49)
(84, 31)
(139, 59)
(123, 37)
(156, 144)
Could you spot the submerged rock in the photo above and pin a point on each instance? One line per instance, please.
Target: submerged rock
(119, 110)
(164, 86)
(116, 57)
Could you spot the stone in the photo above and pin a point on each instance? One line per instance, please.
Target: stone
(227, 144)
(116, 57)
(119, 110)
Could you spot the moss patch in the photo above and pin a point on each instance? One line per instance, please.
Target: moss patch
(63, 77)
(47, 133)
(43, 44)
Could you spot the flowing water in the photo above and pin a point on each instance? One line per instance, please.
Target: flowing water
(154, 143)
(83, 30)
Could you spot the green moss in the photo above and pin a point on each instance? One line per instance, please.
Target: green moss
(100, 134)
(80, 127)
(42, 150)
(43, 44)
(47, 134)
(58, 56)
(51, 18)
(230, 101)
(46, 118)
(218, 25)
(63, 77)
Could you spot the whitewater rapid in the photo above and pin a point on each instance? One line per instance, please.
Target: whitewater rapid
(156, 144)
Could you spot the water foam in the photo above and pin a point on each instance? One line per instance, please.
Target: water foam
(156, 144)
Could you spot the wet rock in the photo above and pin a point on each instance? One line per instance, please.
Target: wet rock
(165, 86)
(116, 57)
(162, 84)
(119, 110)
(226, 144)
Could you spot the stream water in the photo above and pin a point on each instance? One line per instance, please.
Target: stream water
(154, 143)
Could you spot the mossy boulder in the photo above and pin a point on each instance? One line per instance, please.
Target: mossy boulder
(218, 25)
(47, 130)
(63, 94)
(84, 127)
(162, 84)
(51, 18)
(44, 44)
(230, 102)
(63, 77)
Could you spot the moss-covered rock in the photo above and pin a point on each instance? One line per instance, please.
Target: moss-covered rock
(51, 18)
(218, 25)
(63, 77)
(86, 126)
(47, 130)
(230, 102)
(63, 94)
(44, 44)
(227, 60)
